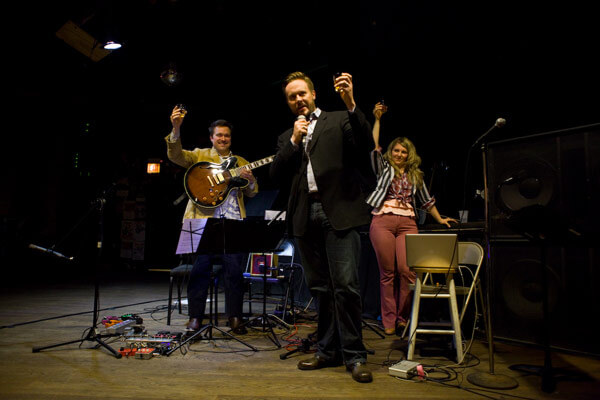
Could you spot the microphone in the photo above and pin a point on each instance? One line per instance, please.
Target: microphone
(500, 122)
(50, 251)
(302, 118)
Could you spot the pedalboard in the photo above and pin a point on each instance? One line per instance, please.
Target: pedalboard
(144, 347)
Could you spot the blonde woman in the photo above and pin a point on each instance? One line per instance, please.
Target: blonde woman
(400, 192)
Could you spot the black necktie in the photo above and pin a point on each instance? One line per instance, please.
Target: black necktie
(311, 118)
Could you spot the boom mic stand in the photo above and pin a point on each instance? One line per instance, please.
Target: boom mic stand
(92, 335)
(489, 380)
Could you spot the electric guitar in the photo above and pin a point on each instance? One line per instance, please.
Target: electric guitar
(209, 184)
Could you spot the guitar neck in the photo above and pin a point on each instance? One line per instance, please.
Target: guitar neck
(252, 165)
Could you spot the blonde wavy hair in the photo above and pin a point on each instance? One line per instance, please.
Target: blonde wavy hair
(413, 161)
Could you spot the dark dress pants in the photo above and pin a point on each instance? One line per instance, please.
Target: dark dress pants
(330, 259)
(233, 281)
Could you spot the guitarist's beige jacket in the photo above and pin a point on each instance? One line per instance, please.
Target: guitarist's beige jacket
(187, 158)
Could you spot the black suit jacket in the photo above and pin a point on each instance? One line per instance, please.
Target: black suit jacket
(339, 154)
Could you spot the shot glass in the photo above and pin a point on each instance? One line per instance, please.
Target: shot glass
(182, 109)
(335, 76)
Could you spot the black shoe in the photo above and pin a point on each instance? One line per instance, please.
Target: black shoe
(360, 373)
(237, 326)
(193, 324)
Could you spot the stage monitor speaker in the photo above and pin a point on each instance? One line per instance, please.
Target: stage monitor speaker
(553, 174)
(543, 195)
(573, 280)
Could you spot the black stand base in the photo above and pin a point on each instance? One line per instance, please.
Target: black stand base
(367, 325)
(305, 347)
(209, 336)
(91, 338)
(492, 381)
(266, 323)
(546, 372)
(550, 376)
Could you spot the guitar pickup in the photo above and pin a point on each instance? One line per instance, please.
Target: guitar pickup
(210, 181)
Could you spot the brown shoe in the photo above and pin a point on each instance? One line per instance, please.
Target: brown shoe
(360, 373)
(193, 324)
(237, 326)
(389, 331)
(400, 326)
(315, 362)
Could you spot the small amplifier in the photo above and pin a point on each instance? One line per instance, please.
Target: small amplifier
(260, 261)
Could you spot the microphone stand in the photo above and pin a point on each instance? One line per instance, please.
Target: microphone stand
(489, 380)
(93, 335)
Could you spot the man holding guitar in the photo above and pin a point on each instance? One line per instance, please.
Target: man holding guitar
(223, 198)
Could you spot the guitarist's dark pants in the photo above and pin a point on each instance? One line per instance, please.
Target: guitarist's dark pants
(233, 281)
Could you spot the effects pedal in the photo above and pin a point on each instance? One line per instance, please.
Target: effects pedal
(145, 353)
(120, 327)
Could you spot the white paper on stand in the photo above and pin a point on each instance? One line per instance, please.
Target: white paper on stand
(191, 233)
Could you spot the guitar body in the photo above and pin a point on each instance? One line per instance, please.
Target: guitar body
(209, 184)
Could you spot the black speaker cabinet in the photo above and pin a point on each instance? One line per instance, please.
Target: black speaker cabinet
(572, 286)
(558, 172)
(544, 196)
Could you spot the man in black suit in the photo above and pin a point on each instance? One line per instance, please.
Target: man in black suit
(324, 156)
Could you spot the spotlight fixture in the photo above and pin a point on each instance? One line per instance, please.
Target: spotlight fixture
(171, 76)
(112, 45)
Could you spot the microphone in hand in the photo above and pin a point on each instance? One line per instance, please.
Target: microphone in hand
(303, 119)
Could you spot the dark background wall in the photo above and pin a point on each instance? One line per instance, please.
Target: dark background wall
(446, 71)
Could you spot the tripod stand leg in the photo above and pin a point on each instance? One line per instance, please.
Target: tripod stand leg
(234, 338)
(209, 328)
(40, 348)
(365, 324)
(107, 347)
(90, 338)
(273, 337)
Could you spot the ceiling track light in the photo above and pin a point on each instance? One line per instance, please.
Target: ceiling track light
(112, 45)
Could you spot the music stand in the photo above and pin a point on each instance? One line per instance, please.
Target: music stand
(220, 235)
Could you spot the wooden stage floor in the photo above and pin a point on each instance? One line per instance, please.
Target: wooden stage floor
(43, 314)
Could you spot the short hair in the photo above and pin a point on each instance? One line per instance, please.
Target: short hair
(219, 122)
(297, 76)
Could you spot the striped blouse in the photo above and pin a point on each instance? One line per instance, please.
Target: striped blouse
(385, 175)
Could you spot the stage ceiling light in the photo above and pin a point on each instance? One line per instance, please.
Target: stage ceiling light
(112, 45)
(171, 76)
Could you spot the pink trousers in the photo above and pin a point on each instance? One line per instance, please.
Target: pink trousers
(387, 235)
